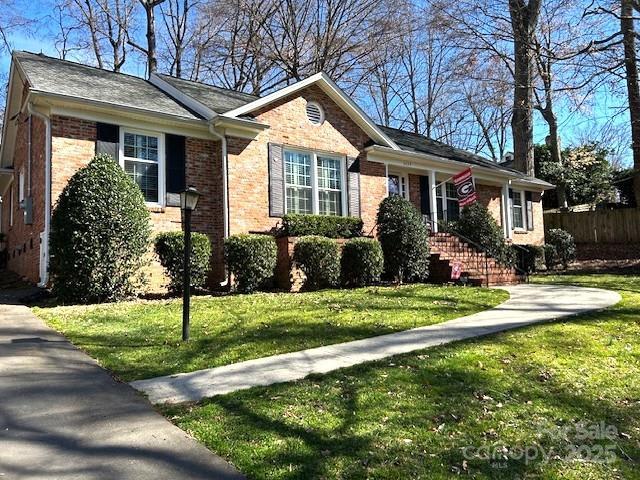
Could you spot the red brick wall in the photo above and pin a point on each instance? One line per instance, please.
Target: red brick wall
(248, 160)
(23, 241)
(72, 147)
(204, 171)
(490, 197)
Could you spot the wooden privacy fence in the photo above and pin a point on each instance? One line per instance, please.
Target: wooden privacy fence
(598, 226)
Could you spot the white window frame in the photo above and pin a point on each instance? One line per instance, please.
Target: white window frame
(315, 197)
(21, 185)
(161, 160)
(404, 183)
(441, 193)
(523, 206)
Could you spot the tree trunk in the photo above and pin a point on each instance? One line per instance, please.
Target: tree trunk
(524, 18)
(152, 61)
(633, 89)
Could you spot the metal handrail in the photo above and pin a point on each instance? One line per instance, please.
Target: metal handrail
(477, 246)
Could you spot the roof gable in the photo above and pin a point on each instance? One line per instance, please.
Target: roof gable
(334, 92)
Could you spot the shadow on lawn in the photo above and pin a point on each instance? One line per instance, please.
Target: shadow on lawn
(233, 335)
(453, 396)
(448, 387)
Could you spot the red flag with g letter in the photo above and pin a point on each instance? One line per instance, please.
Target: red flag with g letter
(465, 188)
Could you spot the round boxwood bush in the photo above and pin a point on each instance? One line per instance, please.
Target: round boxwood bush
(100, 232)
(560, 248)
(477, 224)
(319, 259)
(362, 262)
(169, 247)
(404, 239)
(251, 259)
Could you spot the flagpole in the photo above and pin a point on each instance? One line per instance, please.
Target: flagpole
(445, 181)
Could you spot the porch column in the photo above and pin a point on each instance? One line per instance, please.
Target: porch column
(433, 200)
(506, 214)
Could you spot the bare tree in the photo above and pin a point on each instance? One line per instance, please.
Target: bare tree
(99, 27)
(176, 19)
(629, 34)
(150, 51)
(524, 19)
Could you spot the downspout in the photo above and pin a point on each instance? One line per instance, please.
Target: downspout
(225, 188)
(47, 192)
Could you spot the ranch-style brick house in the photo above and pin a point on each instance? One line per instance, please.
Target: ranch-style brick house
(307, 148)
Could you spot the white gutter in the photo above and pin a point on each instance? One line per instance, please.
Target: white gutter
(47, 193)
(405, 158)
(225, 188)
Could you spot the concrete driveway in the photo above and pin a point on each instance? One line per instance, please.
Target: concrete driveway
(64, 417)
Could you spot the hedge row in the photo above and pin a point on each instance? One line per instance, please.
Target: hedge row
(331, 226)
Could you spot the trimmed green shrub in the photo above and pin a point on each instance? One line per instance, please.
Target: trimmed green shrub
(362, 262)
(530, 257)
(564, 248)
(251, 259)
(332, 226)
(477, 224)
(170, 249)
(319, 259)
(100, 230)
(404, 239)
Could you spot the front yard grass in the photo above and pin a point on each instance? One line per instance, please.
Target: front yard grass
(141, 339)
(441, 412)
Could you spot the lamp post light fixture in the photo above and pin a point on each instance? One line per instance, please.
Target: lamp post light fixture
(188, 201)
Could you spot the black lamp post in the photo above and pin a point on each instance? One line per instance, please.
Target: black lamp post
(188, 201)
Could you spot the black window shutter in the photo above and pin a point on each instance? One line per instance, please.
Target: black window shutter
(107, 139)
(529, 202)
(425, 193)
(175, 162)
(353, 186)
(276, 181)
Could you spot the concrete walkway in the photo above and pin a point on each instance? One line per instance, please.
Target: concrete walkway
(63, 417)
(527, 304)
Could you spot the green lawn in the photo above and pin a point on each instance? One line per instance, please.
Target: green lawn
(430, 414)
(142, 339)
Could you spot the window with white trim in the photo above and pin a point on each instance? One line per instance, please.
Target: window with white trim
(397, 185)
(142, 157)
(517, 209)
(21, 190)
(447, 202)
(314, 183)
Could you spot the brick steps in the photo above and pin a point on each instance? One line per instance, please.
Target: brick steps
(477, 267)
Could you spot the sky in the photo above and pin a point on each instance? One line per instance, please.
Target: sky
(574, 126)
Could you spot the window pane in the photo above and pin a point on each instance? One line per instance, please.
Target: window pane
(394, 185)
(298, 168)
(330, 202)
(440, 208)
(518, 219)
(451, 191)
(299, 200)
(453, 210)
(329, 173)
(517, 199)
(146, 176)
(141, 146)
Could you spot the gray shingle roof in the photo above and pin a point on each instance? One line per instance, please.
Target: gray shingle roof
(414, 142)
(61, 77)
(220, 100)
